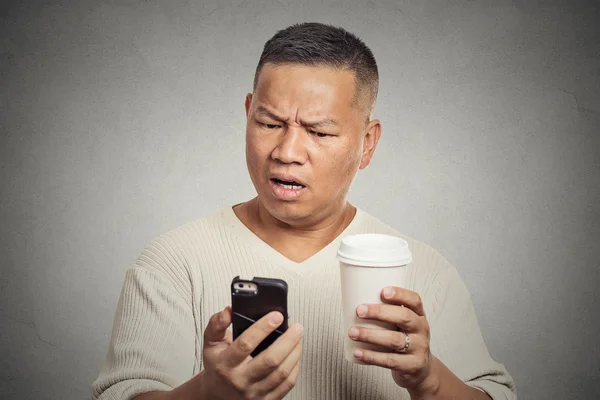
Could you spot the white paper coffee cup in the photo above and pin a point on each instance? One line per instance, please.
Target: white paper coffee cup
(368, 263)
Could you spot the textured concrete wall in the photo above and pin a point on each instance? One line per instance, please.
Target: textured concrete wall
(120, 120)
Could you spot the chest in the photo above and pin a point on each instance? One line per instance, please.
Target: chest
(314, 300)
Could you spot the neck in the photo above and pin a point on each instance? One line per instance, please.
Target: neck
(296, 241)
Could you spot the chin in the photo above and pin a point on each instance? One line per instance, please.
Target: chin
(286, 211)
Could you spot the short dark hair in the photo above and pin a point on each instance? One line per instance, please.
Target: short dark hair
(316, 44)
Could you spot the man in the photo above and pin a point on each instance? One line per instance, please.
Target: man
(308, 132)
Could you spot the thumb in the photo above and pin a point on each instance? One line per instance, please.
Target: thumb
(216, 330)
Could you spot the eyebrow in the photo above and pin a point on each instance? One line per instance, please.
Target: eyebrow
(316, 124)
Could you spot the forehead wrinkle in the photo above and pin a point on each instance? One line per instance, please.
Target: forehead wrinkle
(297, 117)
(265, 111)
(307, 113)
(320, 123)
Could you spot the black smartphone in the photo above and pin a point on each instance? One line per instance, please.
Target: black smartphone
(253, 299)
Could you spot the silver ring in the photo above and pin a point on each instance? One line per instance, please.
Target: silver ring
(406, 344)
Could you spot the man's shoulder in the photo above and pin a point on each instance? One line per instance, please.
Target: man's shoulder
(174, 251)
(195, 228)
(187, 239)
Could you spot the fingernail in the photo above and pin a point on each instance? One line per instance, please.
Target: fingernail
(362, 310)
(388, 292)
(299, 328)
(222, 315)
(276, 319)
(358, 354)
(353, 333)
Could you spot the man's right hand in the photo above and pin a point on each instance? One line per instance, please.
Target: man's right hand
(231, 373)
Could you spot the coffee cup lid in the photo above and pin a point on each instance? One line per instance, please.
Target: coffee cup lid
(374, 250)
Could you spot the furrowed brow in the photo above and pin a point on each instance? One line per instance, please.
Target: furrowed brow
(316, 124)
(266, 112)
(321, 123)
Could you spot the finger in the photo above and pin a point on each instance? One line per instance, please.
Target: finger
(288, 384)
(407, 363)
(277, 354)
(403, 297)
(216, 330)
(251, 338)
(283, 371)
(402, 317)
(391, 341)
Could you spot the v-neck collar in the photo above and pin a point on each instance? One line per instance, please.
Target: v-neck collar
(325, 255)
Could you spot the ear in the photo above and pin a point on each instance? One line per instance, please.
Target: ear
(373, 132)
(248, 102)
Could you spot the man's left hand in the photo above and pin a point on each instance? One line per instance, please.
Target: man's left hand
(412, 368)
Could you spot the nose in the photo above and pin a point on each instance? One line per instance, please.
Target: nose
(291, 147)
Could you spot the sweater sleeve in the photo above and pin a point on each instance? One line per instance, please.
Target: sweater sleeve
(152, 345)
(456, 340)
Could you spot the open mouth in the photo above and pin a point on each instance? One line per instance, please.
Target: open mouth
(287, 184)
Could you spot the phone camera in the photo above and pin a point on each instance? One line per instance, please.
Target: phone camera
(240, 285)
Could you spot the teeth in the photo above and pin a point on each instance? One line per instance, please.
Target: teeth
(291, 186)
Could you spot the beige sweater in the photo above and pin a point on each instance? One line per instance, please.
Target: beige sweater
(183, 277)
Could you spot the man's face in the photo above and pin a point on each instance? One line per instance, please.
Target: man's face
(307, 134)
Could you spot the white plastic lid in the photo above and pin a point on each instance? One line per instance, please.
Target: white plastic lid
(374, 250)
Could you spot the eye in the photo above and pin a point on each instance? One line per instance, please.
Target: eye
(319, 134)
(272, 126)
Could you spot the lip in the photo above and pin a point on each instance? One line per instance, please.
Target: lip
(287, 178)
(283, 193)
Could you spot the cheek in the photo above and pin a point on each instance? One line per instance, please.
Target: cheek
(350, 160)
(252, 154)
(340, 169)
(253, 146)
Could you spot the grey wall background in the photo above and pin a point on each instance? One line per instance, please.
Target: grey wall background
(121, 120)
